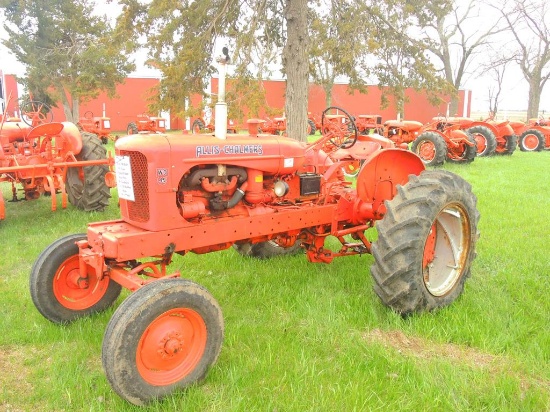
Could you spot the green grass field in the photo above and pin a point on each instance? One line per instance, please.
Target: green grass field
(313, 337)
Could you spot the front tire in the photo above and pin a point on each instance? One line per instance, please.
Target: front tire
(162, 338)
(431, 148)
(86, 186)
(58, 291)
(426, 243)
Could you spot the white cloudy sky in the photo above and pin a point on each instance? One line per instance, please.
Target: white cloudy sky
(513, 96)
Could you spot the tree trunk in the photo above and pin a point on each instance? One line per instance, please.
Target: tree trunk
(70, 108)
(295, 61)
(453, 107)
(534, 99)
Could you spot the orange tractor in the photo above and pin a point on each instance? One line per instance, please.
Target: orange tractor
(533, 135)
(47, 158)
(262, 195)
(491, 136)
(100, 126)
(440, 140)
(147, 124)
(200, 125)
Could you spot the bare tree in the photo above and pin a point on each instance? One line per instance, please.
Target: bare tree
(455, 41)
(529, 23)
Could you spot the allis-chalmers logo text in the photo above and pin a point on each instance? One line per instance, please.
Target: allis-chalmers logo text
(229, 149)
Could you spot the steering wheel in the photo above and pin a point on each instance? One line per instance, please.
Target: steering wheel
(89, 115)
(34, 113)
(341, 130)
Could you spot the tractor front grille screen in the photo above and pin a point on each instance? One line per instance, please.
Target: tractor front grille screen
(139, 209)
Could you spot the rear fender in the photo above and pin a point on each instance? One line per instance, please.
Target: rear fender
(72, 134)
(382, 172)
(489, 126)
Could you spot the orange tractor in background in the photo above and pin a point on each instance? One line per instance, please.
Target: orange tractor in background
(440, 140)
(491, 136)
(200, 125)
(40, 157)
(147, 124)
(534, 135)
(100, 126)
(262, 195)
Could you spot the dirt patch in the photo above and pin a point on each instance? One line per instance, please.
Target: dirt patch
(15, 380)
(424, 349)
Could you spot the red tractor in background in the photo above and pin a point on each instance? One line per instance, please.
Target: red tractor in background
(492, 137)
(534, 135)
(200, 126)
(47, 158)
(147, 124)
(401, 132)
(100, 126)
(440, 140)
(264, 196)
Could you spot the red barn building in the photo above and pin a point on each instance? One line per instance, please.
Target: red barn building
(134, 94)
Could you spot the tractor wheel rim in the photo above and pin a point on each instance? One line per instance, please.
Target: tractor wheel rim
(74, 292)
(171, 346)
(446, 249)
(530, 142)
(481, 142)
(426, 151)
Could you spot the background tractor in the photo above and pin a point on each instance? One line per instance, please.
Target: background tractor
(147, 124)
(491, 136)
(201, 126)
(262, 195)
(401, 132)
(38, 156)
(533, 135)
(100, 126)
(440, 140)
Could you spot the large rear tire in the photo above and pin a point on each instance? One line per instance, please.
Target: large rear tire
(431, 148)
(311, 127)
(509, 147)
(426, 243)
(86, 186)
(132, 128)
(486, 140)
(162, 338)
(58, 291)
(531, 141)
(197, 127)
(463, 153)
(266, 250)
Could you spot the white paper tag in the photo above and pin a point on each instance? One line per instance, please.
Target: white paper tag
(123, 173)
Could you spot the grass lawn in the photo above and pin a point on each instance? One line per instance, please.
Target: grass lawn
(314, 337)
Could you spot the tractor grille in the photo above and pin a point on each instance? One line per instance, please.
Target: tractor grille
(139, 209)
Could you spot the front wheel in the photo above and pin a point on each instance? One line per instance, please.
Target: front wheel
(162, 338)
(426, 243)
(431, 148)
(58, 291)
